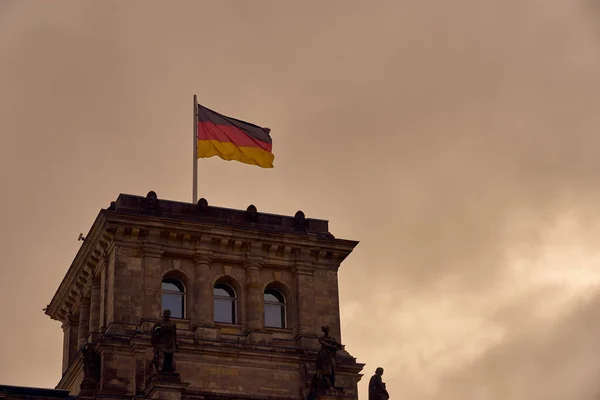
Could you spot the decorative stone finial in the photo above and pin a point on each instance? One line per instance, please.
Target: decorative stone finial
(151, 199)
(202, 205)
(252, 213)
(300, 221)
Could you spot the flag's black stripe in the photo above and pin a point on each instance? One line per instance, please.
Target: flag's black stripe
(208, 115)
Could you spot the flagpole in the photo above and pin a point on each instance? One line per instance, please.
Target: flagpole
(195, 147)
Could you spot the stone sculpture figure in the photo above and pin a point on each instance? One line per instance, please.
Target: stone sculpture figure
(377, 389)
(164, 341)
(326, 358)
(91, 371)
(325, 364)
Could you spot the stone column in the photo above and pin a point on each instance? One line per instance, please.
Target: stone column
(65, 360)
(95, 305)
(254, 298)
(201, 304)
(69, 342)
(305, 328)
(84, 321)
(152, 282)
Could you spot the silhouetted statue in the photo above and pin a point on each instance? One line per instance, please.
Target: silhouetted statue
(377, 389)
(327, 357)
(164, 341)
(91, 371)
(324, 379)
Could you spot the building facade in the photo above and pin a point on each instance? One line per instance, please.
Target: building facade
(248, 292)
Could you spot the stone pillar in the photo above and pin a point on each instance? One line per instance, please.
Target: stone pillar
(95, 305)
(65, 359)
(254, 298)
(201, 304)
(306, 330)
(69, 327)
(303, 275)
(84, 321)
(152, 283)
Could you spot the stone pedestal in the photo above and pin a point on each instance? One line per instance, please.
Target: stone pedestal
(165, 386)
(333, 394)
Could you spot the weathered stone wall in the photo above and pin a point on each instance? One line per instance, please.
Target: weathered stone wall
(118, 372)
(128, 284)
(228, 375)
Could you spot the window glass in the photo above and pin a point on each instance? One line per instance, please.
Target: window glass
(273, 316)
(224, 304)
(274, 309)
(220, 291)
(271, 298)
(173, 297)
(171, 287)
(224, 311)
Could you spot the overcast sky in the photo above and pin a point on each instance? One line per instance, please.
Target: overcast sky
(457, 140)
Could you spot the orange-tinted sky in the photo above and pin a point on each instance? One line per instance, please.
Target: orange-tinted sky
(458, 140)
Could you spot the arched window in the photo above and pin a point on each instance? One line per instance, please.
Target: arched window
(225, 307)
(274, 308)
(173, 297)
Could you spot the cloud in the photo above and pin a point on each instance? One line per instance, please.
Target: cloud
(457, 140)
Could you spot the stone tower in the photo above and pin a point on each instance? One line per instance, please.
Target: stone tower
(248, 292)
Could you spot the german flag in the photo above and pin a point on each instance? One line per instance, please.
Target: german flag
(232, 139)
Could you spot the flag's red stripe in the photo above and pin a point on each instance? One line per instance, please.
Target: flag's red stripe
(255, 131)
(229, 133)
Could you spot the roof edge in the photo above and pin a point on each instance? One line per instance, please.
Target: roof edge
(89, 245)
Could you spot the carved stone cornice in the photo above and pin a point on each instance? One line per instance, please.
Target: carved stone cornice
(80, 273)
(206, 235)
(303, 268)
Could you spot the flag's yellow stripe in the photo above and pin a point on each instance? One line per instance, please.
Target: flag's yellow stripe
(230, 152)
